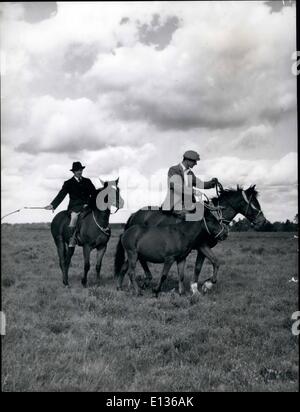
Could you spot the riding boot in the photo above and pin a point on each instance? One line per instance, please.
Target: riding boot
(72, 240)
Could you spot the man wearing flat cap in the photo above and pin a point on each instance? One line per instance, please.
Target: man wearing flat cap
(181, 183)
(80, 190)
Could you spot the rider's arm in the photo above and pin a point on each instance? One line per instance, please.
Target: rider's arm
(60, 197)
(210, 184)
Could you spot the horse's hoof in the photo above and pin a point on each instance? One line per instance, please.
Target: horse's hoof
(204, 289)
(147, 284)
(155, 292)
(197, 294)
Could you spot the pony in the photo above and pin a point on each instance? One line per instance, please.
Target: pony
(165, 244)
(92, 228)
(231, 201)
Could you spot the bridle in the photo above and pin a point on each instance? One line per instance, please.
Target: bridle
(250, 204)
(219, 189)
(218, 209)
(106, 230)
(118, 202)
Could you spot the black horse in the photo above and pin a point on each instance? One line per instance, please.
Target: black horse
(232, 201)
(93, 230)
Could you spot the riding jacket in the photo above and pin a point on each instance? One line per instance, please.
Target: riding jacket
(180, 188)
(80, 193)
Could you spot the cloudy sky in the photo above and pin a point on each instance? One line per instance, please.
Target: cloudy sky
(127, 87)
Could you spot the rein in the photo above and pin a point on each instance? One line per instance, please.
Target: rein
(250, 204)
(217, 210)
(219, 233)
(105, 230)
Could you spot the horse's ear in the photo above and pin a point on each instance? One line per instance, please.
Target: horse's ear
(101, 181)
(251, 188)
(117, 181)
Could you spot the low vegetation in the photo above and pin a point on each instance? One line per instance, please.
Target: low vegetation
(236, 338)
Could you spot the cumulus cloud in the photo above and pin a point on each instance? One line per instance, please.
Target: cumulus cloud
(127, 87)
(71, 126)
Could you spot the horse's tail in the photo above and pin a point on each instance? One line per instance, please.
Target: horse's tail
(119, 258)
(120, 252)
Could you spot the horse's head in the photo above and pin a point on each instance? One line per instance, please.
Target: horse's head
(246, 203)
(109, 195)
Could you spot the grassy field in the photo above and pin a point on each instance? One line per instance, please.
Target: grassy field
(236, 338)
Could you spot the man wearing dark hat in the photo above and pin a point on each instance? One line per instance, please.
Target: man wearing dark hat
(181, 183)
(80, 190)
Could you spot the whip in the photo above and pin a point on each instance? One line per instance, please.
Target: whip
(19, 210)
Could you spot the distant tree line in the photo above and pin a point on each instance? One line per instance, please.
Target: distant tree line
(243, 225)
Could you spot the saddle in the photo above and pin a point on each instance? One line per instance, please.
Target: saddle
(86, 211)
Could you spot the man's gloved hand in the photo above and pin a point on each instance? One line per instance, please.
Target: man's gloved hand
(49, 207)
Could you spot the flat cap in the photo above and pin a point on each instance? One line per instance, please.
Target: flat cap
(191, 155)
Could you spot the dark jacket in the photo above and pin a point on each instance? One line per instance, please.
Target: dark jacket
(175, 195)
(80, 193)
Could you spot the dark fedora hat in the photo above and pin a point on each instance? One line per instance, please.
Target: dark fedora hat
(77, 166)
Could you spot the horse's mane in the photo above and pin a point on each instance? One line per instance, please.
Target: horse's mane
(226, 193)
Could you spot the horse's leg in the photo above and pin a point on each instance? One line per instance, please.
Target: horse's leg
(122, 273)
(167, 266)
(198, 266)
(180, 268)
(132, 259)
(69, 254)
(207, 252)
(61, 250)
(147, 272)
(86, 256)
(100, 253)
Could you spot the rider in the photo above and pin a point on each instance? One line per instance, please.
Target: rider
(80, 190)
(181, 186)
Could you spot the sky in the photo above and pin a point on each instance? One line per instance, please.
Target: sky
(127, 87)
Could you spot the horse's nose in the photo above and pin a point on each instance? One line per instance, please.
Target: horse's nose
(259, 222)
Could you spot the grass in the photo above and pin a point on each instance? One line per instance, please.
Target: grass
(236, 338)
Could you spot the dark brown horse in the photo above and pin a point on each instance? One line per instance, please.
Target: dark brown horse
(165, 244)
(93, 230)
(233, 201)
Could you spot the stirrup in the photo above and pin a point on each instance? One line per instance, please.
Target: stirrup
(72, 242)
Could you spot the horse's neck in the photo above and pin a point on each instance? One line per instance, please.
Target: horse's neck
(228, 213)
(192, 229)
(102, 216)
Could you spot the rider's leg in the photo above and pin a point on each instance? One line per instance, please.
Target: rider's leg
(72, 228)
